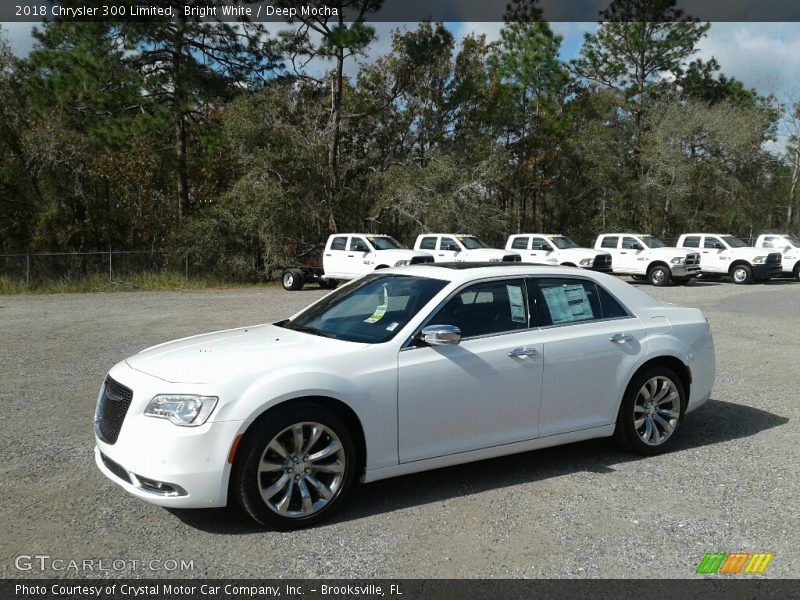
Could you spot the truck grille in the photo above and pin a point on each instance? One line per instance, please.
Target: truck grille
(415, 260)
(774, 259)
(111, 410)
(602, 262)
(692, 259)
(512, 258)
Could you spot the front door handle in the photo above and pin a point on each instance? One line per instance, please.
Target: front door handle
(522, 352)
(620, 338)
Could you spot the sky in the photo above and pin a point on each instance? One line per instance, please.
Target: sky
(764, 56)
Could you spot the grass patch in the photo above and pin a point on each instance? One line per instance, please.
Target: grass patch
(140, 282)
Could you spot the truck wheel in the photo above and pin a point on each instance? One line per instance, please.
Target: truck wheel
(742, 274)
(328, 284)
(293, 280)
(659, 275)
(797, 272)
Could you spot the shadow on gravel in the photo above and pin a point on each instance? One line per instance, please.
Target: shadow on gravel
(716, 422)
(694, 284)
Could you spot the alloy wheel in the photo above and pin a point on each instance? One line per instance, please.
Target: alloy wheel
(656, 411)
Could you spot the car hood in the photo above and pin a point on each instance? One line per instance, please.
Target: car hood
(392, 256)
(224, 355)
(749, 253)
(671, 252)
(579, 253)
(482, 254)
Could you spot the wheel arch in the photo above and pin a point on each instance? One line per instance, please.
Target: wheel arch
(673, 363)
(738, 262)
(657, 263)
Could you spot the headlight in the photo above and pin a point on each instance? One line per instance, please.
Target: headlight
(402, 263)
(758, 260)
(586, 262)
(183, 410)
(495, 260)
(678, 260)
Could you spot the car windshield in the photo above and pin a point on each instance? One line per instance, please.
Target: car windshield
(371, 310)
(384, 242)
(652, 242)
(562, 243)
(733, 242)
(794, 240)
(471, 242)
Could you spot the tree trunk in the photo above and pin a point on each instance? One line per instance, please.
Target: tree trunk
(180, 153)
(792, 192)
(333, 144)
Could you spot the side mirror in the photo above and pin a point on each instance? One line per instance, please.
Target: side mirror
(441, 335)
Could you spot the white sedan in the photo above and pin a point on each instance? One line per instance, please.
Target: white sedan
(400, 371)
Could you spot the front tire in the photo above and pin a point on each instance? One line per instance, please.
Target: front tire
(295, 467)
(651, 411)
(328, 284)
(797, 272)
(659, 275)
(742, 274)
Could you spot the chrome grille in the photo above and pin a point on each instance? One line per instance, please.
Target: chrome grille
(692, 259)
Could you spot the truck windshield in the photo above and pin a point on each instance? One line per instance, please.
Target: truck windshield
(562, 243)
(733, 242)
(794, 240)
(652, 242)
(384, 242)
(370, 310)
(470, 242)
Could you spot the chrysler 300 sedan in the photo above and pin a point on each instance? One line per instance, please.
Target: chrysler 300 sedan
(400, 371)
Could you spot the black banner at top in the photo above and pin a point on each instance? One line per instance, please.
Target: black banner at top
(395, 10)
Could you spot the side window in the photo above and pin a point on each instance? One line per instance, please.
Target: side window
(693, 241)
(630, 243)
(564, 302)
(540, 244)
(358, 245)
(769, 242)
(447, 243)
(712, 242)
(520, 243)
(428, 243)
(610, 307)
(339, 243)
(609, 242)
(486, 309)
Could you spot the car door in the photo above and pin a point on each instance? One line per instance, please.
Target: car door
(711, 255)
(610, 244)
(360, 257)
(483, 392)
(541, 251)
(335, 259)
(447, 249)
(591, 345)
(630, 253)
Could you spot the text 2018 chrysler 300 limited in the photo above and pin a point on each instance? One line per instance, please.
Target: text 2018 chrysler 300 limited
(400, 371)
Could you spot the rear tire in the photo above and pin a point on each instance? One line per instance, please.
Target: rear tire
(659, 275)
(651, 411)
(797, 272)
(293, 280)
(294, 468)
(328, 284)
(742, 274)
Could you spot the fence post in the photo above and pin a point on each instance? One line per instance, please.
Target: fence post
(110, 276)
(186, 259)
(27, 270)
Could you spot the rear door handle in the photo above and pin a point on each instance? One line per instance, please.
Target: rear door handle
(522, 352)
(327, 254)
(620, 338)
(350, 255)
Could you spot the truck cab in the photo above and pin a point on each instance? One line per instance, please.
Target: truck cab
(460, 247)
(645, 257)
(351, 255)
(724, 254)
(789, 247)
(550, 249)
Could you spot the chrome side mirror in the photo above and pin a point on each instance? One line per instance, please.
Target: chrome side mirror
(441, 335)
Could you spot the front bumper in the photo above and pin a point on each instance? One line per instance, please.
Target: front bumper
(685, 271)
(766, 271)
(190, 462)
(601, 269)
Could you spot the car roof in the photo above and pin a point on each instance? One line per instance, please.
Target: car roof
(716, 234)
(468, 271)
(541, 234)
(452, 234)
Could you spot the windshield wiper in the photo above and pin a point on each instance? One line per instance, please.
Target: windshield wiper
(311, 330)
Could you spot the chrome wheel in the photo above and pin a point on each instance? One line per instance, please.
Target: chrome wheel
(740, 275)
(301, 470)
(288, 280)
(658, 276)
(656, 411)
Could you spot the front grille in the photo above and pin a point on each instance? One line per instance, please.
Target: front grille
(421, 259)
(512, 258)
(111, 410)
(602, 260)
(692, 259)
(115, 468)
(774, 259)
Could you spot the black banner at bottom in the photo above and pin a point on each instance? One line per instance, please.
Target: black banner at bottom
(396, 589)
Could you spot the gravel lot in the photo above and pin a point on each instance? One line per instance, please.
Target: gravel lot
(586, 510)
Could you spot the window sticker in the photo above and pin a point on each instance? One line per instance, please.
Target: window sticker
(392, 326)
(517, 302)
(568, 303)
(380, 310)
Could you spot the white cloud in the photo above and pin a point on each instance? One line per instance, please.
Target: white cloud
(19, 36)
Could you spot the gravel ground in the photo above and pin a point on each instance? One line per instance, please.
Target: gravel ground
(583, 510)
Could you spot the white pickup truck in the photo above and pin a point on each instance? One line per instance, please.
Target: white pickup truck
(724, 254)
(789, 247)
(458, 247)
(547, 249)
(351, 255)
(644, 257)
